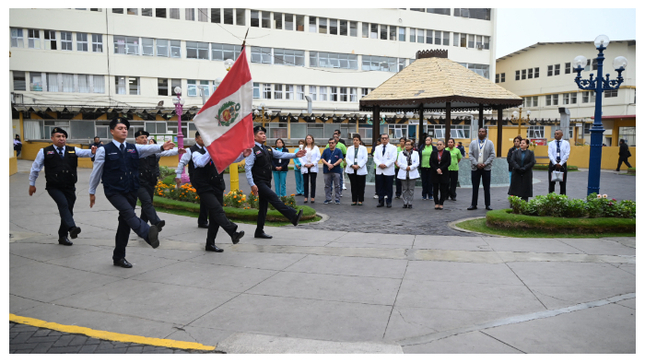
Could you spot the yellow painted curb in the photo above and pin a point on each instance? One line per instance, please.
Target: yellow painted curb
(105, 335)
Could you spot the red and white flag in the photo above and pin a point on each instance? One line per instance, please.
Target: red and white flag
(225, 122)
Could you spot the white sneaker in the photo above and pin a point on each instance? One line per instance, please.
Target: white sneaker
(344, 187)
(375, 196)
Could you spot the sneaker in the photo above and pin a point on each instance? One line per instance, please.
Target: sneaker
(338, 202)
(429, 198)
(344, 187)
(375, 196)
(326, 202)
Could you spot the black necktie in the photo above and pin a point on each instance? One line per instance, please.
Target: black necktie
(60, 151)
(383, 149)
(122, 147)
(558, 158)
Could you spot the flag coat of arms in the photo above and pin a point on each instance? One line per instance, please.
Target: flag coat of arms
(225, 122)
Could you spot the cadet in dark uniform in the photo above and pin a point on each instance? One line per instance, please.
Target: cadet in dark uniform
(148, 174)
(117, 165)
(210, 187)
(202, 219)
(258, 174)
(60, 164)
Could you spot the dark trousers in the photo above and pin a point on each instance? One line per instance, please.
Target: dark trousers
(620, 162)
(202, 219)
(397, 182)
(440, 192)
(310, 178)
(563, 183)
(213, 201)
(358, 187)
(148, 212)
(454, 179)
(65, 199)
(426, 182)
(384, 187)
(483, 176)
(266, 196)
(125, 204)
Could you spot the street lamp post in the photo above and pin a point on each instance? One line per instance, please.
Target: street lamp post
(179, 110)
(599, 84)
(518, 117)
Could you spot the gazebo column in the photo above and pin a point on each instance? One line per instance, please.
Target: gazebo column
(499, 131)
(376, 124)
(481, 116)
(420, 125)
(448, 120)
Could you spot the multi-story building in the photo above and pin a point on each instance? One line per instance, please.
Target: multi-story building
(79, 68)
(543, 76)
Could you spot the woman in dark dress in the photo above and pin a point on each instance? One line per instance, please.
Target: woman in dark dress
(516, 146)
(522, 162)
(439, 163)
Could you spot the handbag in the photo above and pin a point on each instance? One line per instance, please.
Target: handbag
(557, 176)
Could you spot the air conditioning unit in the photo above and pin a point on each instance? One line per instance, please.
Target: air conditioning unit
(480, 46)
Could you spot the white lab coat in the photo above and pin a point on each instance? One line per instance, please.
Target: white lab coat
(361, 160)
(389, 158)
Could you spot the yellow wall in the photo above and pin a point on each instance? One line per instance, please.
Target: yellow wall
(580, 157)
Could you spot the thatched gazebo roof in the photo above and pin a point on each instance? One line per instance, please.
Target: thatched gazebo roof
(432, 82)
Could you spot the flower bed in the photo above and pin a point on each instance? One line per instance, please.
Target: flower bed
(556, 205)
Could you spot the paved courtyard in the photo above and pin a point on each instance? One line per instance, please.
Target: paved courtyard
(365, 280)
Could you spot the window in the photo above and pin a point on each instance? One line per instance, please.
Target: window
(413, 35)
(353, 97)
(50, 40)
(300, 23)
(36, 81)
(343, 94)
(312, 24)
(161, 13)
(549, 71)
(517, 75)
(502, 78)
(277, 20)
(256, 91)
(288, 21)
(19, 81)
(536, 72)
(266, 19)
(594, 64)
(471, 41)
(589, 96)
(333, 26)
(228, 16)
(97, 43)
(611, 93)
(473, 13)
(174, 13)
(261, 55)
(556, 70)
(567, 68)
(255, 18)
(333, 60)
(33, 38)
(196, 50)
(313, 93)
(117, 11)
(334, 94)
(523, 73)
(497, 78)
(216, 15)
(323, 93)
(98, 84)
(193, 86)
(84, 82)
(535, 132)
(81, 42)
(277, 91)
(133, 85)
(289, 57)
(376, 63)
(223, 52)
(202, 15)
(353, 29)
(146, 11)
(343, 27)
(322, 26)
(190, 13)
(148, 46)
(68, 82)
(442, 11)
(66, 40)
(266, 92)
(162, 86)
(17, 40)
(120, 85)
(548, 100)
(554, 99)
(402, 34)
(530, 75)
(133, 11)
(288, 91)
(569, 98)
(364, 92)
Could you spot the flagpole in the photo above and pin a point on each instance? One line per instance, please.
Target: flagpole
(232, 169)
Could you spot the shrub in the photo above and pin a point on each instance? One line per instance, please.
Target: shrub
(185, 193)
(556, 205)
(289, 201)
(235, 199)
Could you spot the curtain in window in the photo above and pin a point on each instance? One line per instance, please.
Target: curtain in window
(83, 83)
(99, 84)
(32, 130)
(52, 82)
(68, 83)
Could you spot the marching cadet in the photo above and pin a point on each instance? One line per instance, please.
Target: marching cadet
(202, 219)
(117, 165)
(258, 174)
(148, 174)
(210, 187)
(60, 163)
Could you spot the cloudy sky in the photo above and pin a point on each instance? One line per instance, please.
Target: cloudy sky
(520, 28)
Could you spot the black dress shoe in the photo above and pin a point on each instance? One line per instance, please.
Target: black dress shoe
(410, 206)
(160, 225)
(297, 219)
(389, 205)
(379, 205)
(472, 207)
(123, 263)
(213, 248)
(74, 231)
(235, 238)
(489, 208)
(405, 206)
(65, 241)
(153, 237)
(262, 235)
(202, 226)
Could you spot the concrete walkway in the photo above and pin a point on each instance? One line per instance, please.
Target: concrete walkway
(320, 289)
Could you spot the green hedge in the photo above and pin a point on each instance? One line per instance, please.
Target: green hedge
(233, 213)
(504, 218)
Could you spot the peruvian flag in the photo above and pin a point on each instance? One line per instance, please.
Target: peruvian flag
(225, 122)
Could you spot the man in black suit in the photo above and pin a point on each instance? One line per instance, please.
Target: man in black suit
(623, 155)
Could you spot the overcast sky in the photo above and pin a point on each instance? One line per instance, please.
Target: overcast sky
(520, 28)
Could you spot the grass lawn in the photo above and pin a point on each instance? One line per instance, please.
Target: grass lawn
(479, 225)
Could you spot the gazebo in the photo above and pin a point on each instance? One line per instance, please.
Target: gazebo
(434, 83)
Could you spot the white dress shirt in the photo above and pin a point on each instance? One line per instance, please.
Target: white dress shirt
(565, 149)
(311, 157)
